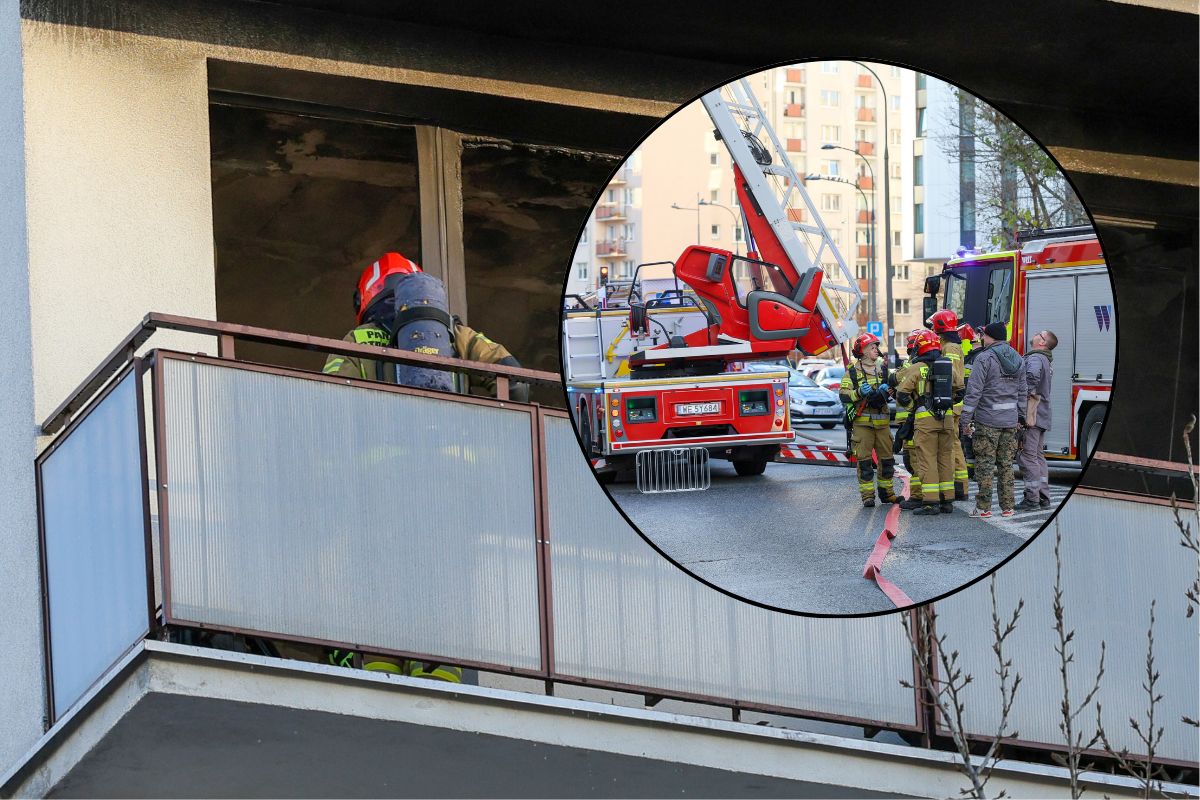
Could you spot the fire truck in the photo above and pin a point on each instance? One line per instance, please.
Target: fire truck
(659, 381)
(1058, 281)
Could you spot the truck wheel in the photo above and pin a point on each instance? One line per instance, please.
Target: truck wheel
(828, 425)
(585, 431)
(1089, 431)
(750, 468)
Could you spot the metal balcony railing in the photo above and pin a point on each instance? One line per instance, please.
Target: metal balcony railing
(190, 491)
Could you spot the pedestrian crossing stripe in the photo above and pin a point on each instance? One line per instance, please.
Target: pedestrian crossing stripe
(1027, 523)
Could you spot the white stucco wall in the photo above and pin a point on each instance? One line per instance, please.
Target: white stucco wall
(20, 633)
(120, 211)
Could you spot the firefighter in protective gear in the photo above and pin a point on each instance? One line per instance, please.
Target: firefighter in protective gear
(945, 324)
(935, 428)
(374, 312)
(864, 391)
(904, 434)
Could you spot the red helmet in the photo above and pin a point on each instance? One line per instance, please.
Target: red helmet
(943, 321)
(967, 333)
(926, 340)
(861, 343)
(371, 282)
(911, 342)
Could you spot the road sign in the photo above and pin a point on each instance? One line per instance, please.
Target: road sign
(875, 328)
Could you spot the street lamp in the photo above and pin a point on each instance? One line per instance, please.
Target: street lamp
(870, 233)
(731, 213)
(887, 214)
(873, 294)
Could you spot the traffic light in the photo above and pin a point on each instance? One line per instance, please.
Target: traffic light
(604, 275)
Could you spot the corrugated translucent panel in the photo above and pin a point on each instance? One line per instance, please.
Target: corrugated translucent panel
(624, 613)
(95, 544)
(1117, 556)
(351, 515)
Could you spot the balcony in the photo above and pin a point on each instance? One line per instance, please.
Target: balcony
(793, 110)
(612, 212)
(865, 183)
(615, 248)
(795, 214)
(621, 177)
(190, 503)
(794, 76)
(863, 82)
(864, 251)
(795, 145)
(865, 115)
(865, 148)
(863, 217)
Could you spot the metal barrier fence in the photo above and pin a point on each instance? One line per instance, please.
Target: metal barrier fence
(677, 469)
(471, 531)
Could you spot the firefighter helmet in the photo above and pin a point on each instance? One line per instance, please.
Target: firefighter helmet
(371, 282)
(911, 342)
(926, 340)
(861, 343)
(943, 321)
(967, 333)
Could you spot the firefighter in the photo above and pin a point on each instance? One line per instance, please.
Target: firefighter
(929, 388)
(945, 324)
(970, 347)
(904, 434)
(864, 391)
(376, 314)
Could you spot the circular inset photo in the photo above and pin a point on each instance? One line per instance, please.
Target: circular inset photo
(838, 337)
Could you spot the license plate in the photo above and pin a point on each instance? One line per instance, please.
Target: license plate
(691, 409)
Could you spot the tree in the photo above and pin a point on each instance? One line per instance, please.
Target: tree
(1015, 183)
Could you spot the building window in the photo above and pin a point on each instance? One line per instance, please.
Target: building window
(895, 71)
(611, 195)
(918, 170)
(583, 237)
(738, 236)
(829, 67)
(895, 170)
(831, 202)
(835, 236)
(831, 98)
(581, 270)
(895, 102)
(920, 81)
(920, 122)
(831, 134)
(831, 167)
(712, 159)
(900, 272)
(894, 136)
(716, 231)
(862, 271)
(896, 234)
(901, 305)
(918, 217)
(862, 236)
(627, 231)
(712, 195)
(733, 198)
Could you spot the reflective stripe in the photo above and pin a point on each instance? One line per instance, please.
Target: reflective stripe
(968, 408)
(923, 413)
(1003, 406)
(334, 365)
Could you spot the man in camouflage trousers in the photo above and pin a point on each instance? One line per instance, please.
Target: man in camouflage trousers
(995, 398)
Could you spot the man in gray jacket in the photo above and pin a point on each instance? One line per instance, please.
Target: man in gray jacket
(1036, 421)
(995, 398)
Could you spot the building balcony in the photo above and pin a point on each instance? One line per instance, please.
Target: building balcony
(209, 527)
(612, 248)
(863, 82)
(863, 217)
(612, 212)
(864, 251)
(795, 145)
(621, 177)
(865, 148)
(865, 115)
(794, 76)
(865, 182)
(793, 110)
(795, 214)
